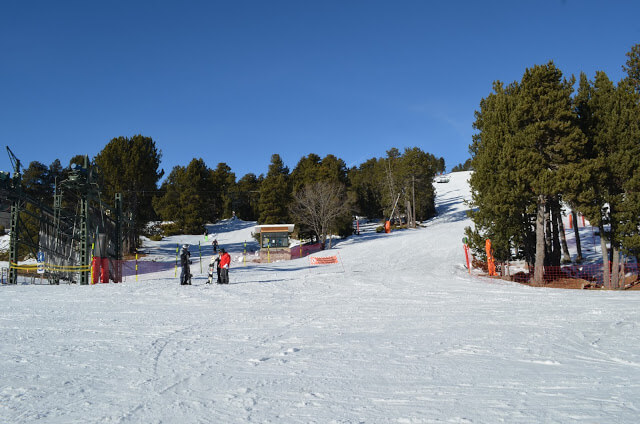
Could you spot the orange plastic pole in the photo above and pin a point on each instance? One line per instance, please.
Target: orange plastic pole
(490, 262)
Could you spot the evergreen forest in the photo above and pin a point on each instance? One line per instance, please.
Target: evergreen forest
(193, 195)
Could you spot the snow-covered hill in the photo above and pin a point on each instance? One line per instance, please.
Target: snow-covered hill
(397, 332)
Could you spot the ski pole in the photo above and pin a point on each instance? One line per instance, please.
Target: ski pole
(175, 274)
(200, 253)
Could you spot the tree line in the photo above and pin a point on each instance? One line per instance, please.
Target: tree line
(191, 196)
(542, 147)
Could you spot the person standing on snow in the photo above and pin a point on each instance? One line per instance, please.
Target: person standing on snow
(214, 264)
(225, 261)
(185, 260)
(215, 245)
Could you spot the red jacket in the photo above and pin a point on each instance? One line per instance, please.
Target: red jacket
(225, 260)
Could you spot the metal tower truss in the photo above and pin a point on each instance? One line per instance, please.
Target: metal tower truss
(67, 233)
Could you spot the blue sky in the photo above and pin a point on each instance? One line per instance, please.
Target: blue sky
(236, 81)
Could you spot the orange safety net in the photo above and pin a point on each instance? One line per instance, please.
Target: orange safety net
(314, 260)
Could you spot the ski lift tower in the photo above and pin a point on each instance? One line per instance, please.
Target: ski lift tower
(94, 216)
(68, 230)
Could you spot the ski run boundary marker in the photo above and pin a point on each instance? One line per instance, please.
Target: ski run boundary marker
(316, 261)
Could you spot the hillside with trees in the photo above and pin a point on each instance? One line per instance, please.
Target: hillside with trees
(320, 195)
(542, 150)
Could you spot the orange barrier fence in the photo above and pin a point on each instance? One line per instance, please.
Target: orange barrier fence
(586, 275)
(314, 260)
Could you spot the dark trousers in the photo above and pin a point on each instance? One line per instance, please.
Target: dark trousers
(185, 275)
(224, 276)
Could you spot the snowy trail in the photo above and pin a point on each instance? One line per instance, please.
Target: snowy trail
(404, 334)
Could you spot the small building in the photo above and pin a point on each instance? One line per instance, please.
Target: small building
(274, 241)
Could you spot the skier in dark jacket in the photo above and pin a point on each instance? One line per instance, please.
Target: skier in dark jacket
(185, 274)
(214, 266)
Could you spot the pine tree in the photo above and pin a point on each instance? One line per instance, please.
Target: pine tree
(246, 194)
(548, 132)
(366, 184)
(184, 197)
(196, 210)
(221, 202)
(629, 227)
(167, 202)
(622, 135)
(131, 166)
(275, 193)
(502, 195)
(36, 183)
(527, 143)
(632, 67)
(466, 166)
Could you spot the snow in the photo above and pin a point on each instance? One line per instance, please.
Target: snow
(398, 332)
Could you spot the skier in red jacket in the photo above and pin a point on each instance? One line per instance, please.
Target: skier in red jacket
(225, 261)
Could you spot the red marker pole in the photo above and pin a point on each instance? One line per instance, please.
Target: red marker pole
(466, 253)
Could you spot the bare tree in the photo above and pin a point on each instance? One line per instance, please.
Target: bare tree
(319, 205)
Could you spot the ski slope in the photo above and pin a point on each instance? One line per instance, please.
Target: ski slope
(398, 332)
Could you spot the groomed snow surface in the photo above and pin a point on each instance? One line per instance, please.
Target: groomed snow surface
(397, 332)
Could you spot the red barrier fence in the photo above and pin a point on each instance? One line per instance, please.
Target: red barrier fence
(305, 250)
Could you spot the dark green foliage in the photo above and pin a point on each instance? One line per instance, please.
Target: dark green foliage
(415, 179)
(466, 166)
(245, 195)
(184, 197)
(440, 165)
(221, 198)
(77, 160)
(38, 183)
(131, 166)
(311, 169)
(527, 144)
(365, 182)
(171, 229)
(377, 183)
(275, 194)
(501, 196)
(632, 67)
(536, 147)
(305, 172)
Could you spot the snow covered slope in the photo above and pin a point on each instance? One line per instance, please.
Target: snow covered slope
(398, 332)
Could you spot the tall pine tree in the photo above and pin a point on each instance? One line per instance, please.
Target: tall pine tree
(275, 193)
